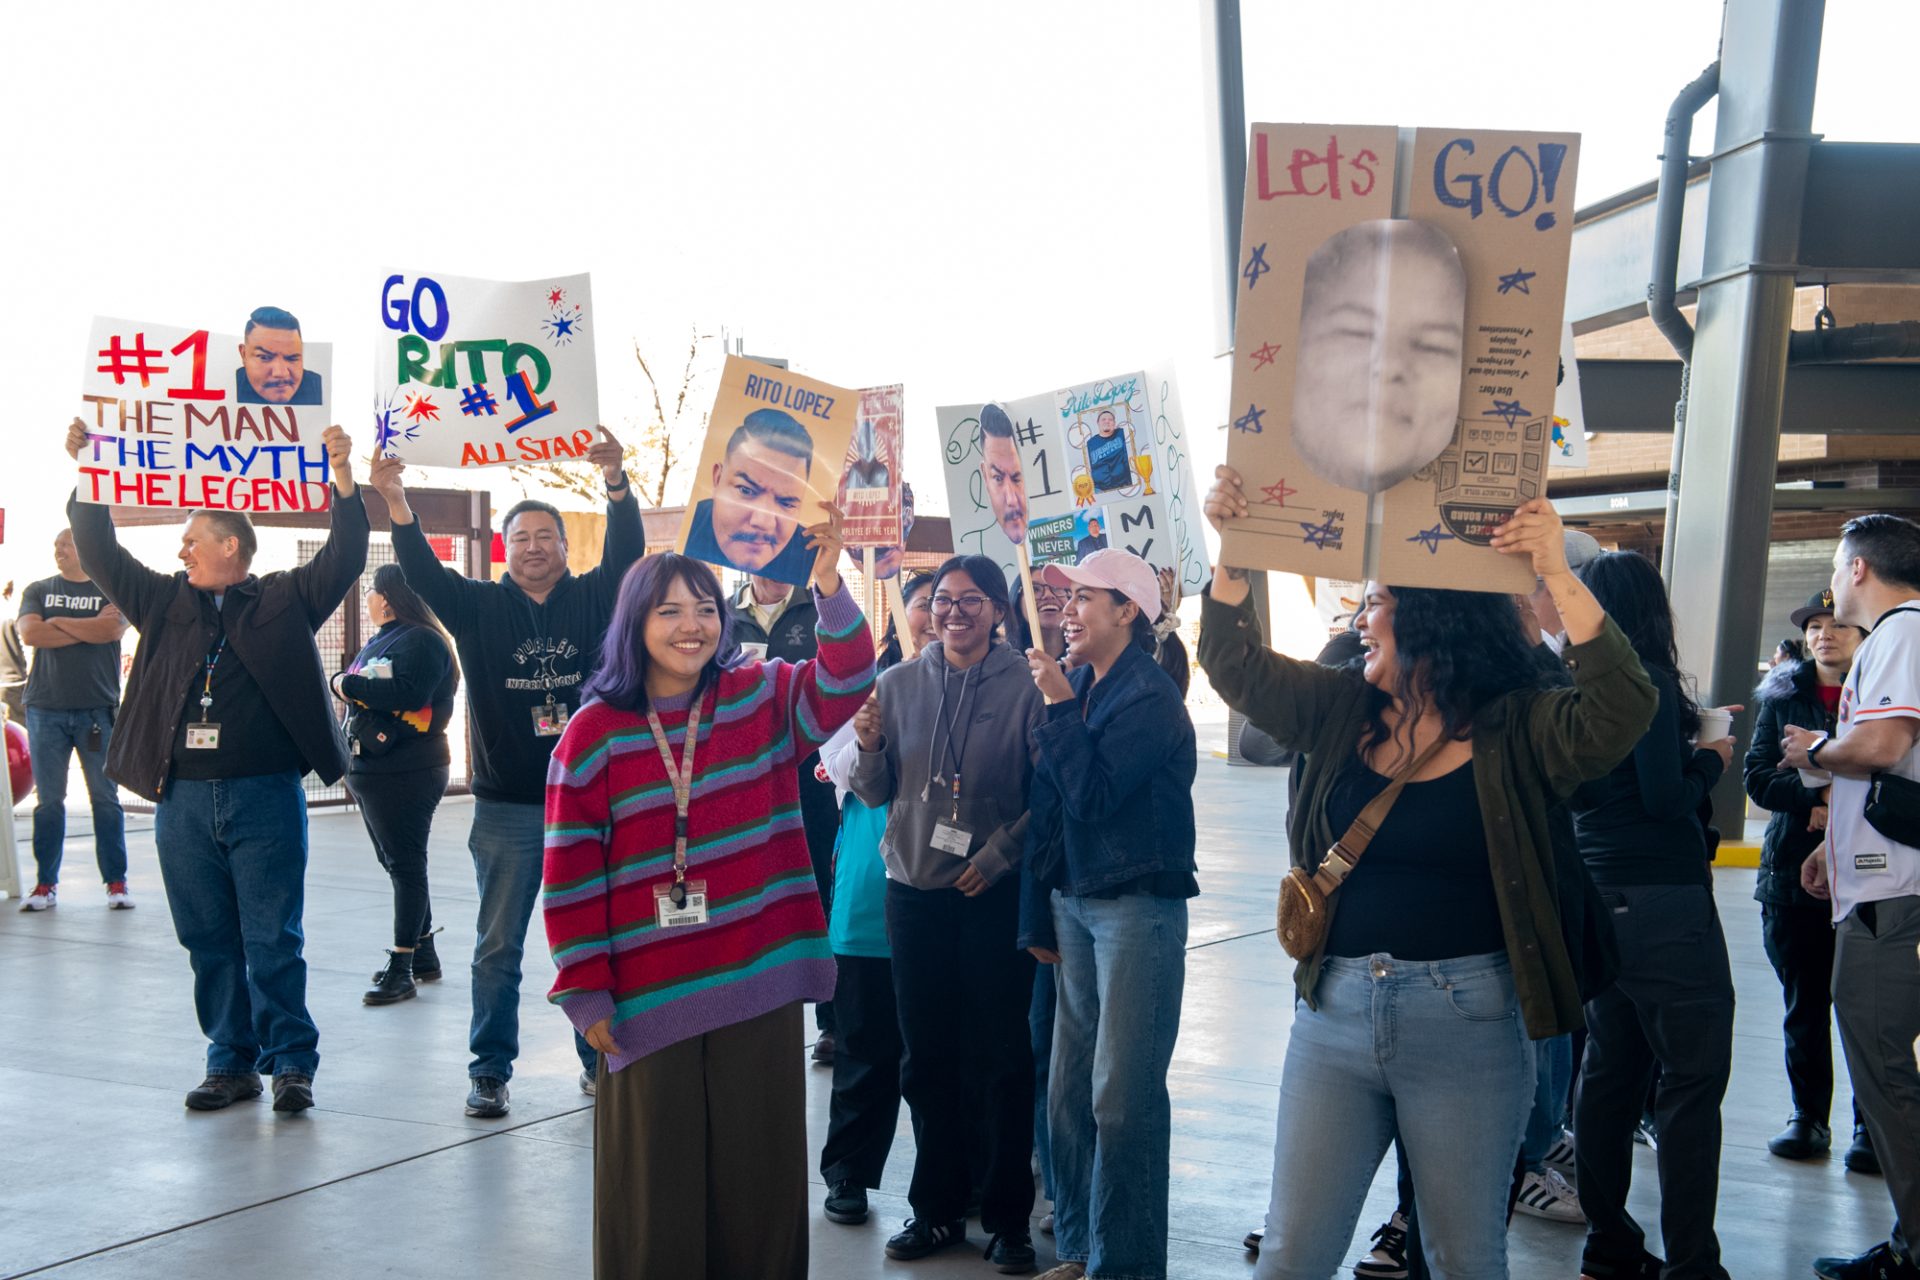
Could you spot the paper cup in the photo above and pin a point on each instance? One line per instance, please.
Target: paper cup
(1715, 724)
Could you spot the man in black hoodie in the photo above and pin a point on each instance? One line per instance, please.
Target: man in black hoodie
(527, 644)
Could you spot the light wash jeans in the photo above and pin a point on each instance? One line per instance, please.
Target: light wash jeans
(1123, 962)
(1435, 1049)
(507, 843)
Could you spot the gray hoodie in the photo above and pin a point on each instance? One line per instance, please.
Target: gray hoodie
(992, 736)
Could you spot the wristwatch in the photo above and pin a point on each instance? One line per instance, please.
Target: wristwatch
(1813, 749)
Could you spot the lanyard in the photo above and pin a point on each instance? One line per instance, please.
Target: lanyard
(681, 776)
(371, 654)
(206, 692)
(951, 756)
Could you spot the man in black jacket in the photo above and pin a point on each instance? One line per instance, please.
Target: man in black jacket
(1795, 927)
(773, 619)
(225, 709)
(527, 644)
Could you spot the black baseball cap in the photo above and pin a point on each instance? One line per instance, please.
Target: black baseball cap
(1818, 603)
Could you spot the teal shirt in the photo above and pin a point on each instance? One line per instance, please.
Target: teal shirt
(859, 923)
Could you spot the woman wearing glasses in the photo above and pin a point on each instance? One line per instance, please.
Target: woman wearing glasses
(947, 746)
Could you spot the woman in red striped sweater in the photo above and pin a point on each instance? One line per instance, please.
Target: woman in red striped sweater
(681, 910)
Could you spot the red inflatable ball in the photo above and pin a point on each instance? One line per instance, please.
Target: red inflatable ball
(19, 763)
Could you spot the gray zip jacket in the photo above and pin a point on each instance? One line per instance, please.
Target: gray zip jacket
(991, 737)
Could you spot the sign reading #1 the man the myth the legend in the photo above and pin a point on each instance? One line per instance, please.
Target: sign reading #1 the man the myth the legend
(480, 373)
(179, 416)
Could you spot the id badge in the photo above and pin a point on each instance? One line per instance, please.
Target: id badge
(203, 737)
(549, 721)
(757, 652)
(672, 917)
(952, 837)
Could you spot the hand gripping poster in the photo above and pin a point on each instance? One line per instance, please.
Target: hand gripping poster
(184, 416)
(1394, 369)
(775, 449)
(1102, 463)
(481, 373)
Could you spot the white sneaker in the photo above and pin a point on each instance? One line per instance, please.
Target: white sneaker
(1561, 1156)
(1388, 1258)
(1548, 1195)
(118, 899)
(40, 899)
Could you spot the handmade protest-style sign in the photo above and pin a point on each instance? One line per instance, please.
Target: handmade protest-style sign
(1033, 469)
(189, 417)
(1569, 447)
(480, 373)
(870, 486)
(776, 445)
(1391, 403)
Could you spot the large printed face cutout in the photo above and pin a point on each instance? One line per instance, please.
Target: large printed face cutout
(1376, 390)
(759, 487)
(275, 362)
(1002, 473)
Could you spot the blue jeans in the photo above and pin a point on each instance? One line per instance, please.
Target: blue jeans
(1123, 962)
(1040, 1027)
(53, 737)
(1434, 1049)
(1552, 1076)
(507, 845)
(233, 855)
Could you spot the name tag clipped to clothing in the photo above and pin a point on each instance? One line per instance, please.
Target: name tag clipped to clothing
(549, 720)
(757, 652)
(379, 669)
(952, 836)
(691, 910)
(203, 735)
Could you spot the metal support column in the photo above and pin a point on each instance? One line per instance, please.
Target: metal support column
(1770, 54)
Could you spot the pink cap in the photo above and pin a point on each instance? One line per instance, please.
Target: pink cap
(1115, 570)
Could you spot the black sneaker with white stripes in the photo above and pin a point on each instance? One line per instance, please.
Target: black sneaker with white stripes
(1388, 1258)
(923, 1238)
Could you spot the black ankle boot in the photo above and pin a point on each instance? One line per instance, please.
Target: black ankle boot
(426, 961)
(393, 983)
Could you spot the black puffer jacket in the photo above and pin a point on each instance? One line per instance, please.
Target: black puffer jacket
(1790, 695)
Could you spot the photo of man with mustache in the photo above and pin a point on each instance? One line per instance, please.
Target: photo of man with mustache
(273, 362)
(752, 520)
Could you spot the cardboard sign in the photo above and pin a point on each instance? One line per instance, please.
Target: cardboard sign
(187, 417)
(483, 373)
(776, 445)
(1569, 414)
(1115, 447)
(870, 487)
(1394, 369)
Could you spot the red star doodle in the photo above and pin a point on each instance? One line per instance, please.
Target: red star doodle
(421, 408)
(1278, 493)
(553, 297)
(1264, 354)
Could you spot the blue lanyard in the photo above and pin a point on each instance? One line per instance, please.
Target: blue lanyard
(206, 692)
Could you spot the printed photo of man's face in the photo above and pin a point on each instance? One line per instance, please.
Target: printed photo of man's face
(275, 362)
(1001, 472)
(1376, 392)
(759, 488)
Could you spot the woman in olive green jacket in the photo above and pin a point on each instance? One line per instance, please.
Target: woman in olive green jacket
(1444, 957)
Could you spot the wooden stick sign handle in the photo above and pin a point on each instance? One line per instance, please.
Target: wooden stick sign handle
(1026, 594)
(897, 610)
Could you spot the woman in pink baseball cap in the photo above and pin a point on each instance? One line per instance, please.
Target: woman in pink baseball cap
(1104, 889)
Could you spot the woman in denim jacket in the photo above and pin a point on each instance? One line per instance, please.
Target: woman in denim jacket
(1108, 872)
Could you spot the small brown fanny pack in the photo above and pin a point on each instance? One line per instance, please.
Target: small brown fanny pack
(1303, 913)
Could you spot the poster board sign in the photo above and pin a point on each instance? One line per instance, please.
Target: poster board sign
(1114, 447)
(1569, 414)
(1068, 539)
(776, 445)
(1394, 368)
(483, 373)
(870, 486)
(181, 416)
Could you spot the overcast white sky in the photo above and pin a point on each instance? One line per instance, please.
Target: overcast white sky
(978, 201)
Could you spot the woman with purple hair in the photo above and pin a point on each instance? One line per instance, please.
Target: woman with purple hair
(681, 909)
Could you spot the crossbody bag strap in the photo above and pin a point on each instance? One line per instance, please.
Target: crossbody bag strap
(1347, 850)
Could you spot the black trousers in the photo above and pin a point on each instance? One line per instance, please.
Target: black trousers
(963, 990)
(865, 1109)
(1672, 1007)
(398, 809)
(1799, 943)
(820, 815)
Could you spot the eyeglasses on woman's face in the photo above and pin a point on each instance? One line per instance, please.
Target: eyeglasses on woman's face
(1058, 595)
(969, 606)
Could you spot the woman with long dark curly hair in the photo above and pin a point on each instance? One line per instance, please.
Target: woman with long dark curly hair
(1444, 958)
(1672, 1004)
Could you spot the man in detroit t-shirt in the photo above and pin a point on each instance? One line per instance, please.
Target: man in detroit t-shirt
(72, 692)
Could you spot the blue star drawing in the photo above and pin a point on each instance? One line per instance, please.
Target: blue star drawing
(1321, 535)
(1250, 421)
(1256, 265)
(386, 429)
(564, 325)
(1509, 410)
(1431, 539)
(1515, 281)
